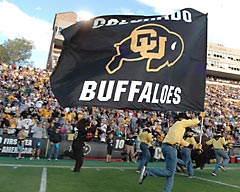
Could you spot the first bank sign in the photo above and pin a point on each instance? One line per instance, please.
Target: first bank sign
(8, 145)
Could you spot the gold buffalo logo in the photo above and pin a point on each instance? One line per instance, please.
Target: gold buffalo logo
(155, 43)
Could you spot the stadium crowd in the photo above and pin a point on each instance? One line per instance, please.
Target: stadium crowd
(26, 98)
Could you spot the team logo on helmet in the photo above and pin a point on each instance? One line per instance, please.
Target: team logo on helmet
(154, 43)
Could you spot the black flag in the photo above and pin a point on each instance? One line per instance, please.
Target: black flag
(134, 62)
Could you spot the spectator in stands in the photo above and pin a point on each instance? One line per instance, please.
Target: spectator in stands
(63, 131)
(8, 109)
(133, 123)
(119, 132)
(28, 123)
(103, 130)
(121, 121)
(38, 133)
(21, 136)
(4, 122)
(129, 147)
(55, 139)
(110, 145)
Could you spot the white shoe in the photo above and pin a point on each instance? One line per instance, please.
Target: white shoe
(31, 158)
(56, 159)
(143, 175)
(222, 168)
(49, 159)
(38, 158)
(214, 174)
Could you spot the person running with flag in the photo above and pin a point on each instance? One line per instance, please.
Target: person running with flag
(186, 151)
(219, 144)
(145, 138)
(170, 144)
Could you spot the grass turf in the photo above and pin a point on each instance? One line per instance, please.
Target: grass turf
(25, 176)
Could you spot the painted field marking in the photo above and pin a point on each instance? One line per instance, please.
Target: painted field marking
(43, 185)
(212, 181)
(218, 182)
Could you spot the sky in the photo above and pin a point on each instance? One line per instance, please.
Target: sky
(33, 19)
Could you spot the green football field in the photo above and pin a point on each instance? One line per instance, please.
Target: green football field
(97, 176)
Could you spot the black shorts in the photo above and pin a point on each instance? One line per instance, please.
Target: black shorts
(36, 143)
(109, 150)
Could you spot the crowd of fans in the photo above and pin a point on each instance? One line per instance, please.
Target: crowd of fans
(26, 98)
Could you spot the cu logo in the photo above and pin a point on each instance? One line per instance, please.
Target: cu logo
(154, 43)
(86, 149)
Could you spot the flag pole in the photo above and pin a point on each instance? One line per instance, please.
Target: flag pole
(201, 131)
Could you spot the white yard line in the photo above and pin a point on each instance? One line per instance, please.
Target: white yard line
(37, 166)
(218, 182)
(43, 185)
(62, 166)
(212, 181)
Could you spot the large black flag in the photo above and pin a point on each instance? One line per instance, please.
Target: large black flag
(134, 62)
